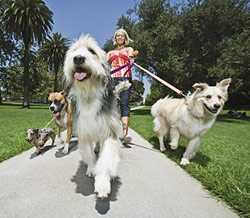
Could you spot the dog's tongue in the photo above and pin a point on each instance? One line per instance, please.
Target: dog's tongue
(56, 115)
(80, 75)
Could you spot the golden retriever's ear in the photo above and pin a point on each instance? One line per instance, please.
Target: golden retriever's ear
(224, 84)
(200, 86)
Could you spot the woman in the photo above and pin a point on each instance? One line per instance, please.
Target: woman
(120, 60)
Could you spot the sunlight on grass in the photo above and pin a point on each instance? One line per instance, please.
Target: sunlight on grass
(14, 122)
(223, 162)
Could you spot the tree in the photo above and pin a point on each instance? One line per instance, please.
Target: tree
(149, 10)
(7, 48)
(126, 23)
(235, 63)
(29, 21)
(193, 43)
(53, 52)
(199, 41)
(108, 45)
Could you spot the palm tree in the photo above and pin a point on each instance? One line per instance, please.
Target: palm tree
(53, 52)
(29, 21)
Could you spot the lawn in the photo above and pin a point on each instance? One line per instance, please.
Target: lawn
(223, 162)
(14, 121)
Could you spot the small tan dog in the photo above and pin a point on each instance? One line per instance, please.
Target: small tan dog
(62, 110)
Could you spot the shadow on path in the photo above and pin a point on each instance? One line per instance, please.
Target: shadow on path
(85, 186)
(43, 151)
(72, 147)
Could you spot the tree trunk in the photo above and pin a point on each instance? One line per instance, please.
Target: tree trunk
(56, 78)
(26, 82)
(0, 97)
(55, 82)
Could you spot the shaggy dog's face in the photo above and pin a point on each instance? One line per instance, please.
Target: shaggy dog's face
(85, 61)
(212, 98)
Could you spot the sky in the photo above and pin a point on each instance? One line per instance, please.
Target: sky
(98, 18)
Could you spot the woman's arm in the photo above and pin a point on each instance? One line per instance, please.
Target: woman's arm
(132, 53)
(135, 53)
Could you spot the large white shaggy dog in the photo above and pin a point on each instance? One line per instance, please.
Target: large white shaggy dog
(87, 73)
(190, 117)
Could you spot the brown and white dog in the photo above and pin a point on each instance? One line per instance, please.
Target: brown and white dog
(62, 110)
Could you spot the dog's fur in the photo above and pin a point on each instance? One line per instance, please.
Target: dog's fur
(190, 117)
(87, 71)
(38, 137)
(62, 110)
(121, 86)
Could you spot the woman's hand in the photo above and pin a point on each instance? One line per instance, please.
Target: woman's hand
(135, 53)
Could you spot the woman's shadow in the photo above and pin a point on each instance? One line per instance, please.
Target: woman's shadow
(85, 186)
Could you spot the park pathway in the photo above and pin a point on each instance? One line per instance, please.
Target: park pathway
(149, 186)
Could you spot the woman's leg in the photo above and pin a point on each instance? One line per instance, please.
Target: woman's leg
(124, 104)
(125, 126)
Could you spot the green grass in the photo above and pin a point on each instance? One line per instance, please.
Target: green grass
(14, 122)
(223, 162)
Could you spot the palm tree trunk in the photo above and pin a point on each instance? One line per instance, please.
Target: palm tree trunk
(55, 82)
(26, 82)
(56, 78)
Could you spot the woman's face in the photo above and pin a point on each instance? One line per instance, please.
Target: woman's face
(120, 39)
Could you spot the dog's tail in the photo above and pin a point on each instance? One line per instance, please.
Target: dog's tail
(122, 86)
(155, 107)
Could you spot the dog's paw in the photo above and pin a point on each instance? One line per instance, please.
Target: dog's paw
(184, 162)
(162, 148)
(173, 147)
(37, 151)
(102, 186)
(90, 172)
(66, 149)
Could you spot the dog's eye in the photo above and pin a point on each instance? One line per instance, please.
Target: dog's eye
(219, 97)
(91, 51)
(208, 96)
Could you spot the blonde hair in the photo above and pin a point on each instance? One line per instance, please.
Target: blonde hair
(124, 32)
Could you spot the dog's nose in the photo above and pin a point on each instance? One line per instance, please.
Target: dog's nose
(79, 59)
(52, 108)
(216, 106)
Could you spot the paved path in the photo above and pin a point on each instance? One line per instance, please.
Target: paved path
(137, 107)
(149, 186)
